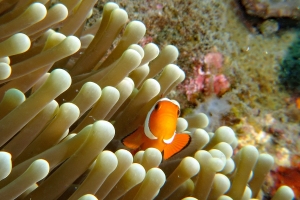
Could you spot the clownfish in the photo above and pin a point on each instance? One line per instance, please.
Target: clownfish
(159, 130)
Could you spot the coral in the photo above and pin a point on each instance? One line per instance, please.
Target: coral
(67, 98)
(271, 8)
(287, 176)
(207, 78)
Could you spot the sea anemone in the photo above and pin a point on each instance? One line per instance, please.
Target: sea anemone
(66, 103)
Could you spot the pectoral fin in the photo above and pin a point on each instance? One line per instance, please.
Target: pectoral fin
(181, 140)
(135, 139)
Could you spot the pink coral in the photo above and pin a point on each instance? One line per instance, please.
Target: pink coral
(221, 84)
(208, 78)
(214, 59)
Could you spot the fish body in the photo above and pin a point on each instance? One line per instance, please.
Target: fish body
(159, 130)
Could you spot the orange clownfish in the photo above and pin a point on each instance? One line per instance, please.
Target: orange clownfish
(159, 130)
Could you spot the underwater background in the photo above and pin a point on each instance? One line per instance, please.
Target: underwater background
(77, 77)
